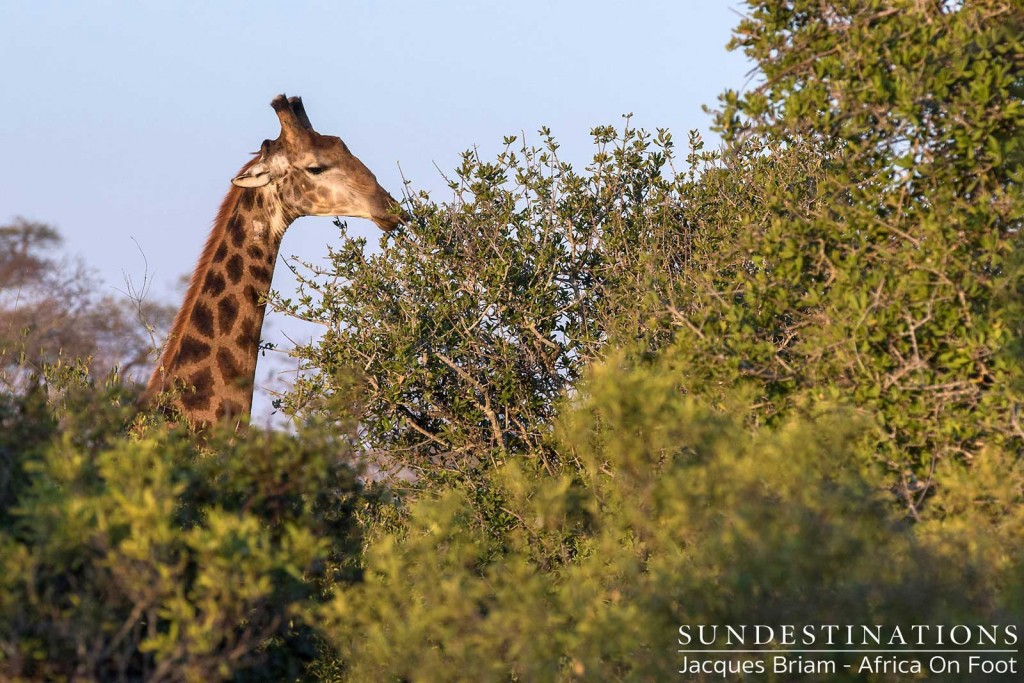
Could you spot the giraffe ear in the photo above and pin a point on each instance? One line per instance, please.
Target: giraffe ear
(257, 176)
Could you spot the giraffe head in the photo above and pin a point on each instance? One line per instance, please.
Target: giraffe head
(316, 175)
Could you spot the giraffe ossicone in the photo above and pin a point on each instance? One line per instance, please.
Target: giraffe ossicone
(208, 365)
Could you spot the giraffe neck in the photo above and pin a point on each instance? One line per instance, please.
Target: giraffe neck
(210, 357)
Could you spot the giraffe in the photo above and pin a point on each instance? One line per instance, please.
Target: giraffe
(210, 356)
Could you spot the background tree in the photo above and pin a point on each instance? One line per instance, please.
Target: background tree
(51, 308)
(896, 288)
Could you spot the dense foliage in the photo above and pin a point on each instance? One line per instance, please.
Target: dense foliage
(471, 323)
(676, 514)
(154, 557)
(781, 386)
(896, 287)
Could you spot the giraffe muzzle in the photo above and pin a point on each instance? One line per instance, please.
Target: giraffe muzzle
(391, 221)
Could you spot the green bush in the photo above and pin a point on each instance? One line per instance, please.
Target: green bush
(472, 322)
(151, 556)
(677, 515)
(896, 287)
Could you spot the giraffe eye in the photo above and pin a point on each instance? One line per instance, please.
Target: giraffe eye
(315, 170)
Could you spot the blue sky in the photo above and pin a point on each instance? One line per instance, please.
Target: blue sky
(125, 121)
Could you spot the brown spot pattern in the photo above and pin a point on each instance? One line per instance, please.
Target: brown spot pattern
(192, 349)
(228, 408)
(227, 312)
(255, 251)
(251, 295)
(221, 252)
(261, 273)
(236, 231)
(227, 365)
(234, 267)
(202, 319)
(213, 284)
(197, 395)
(249, 335)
